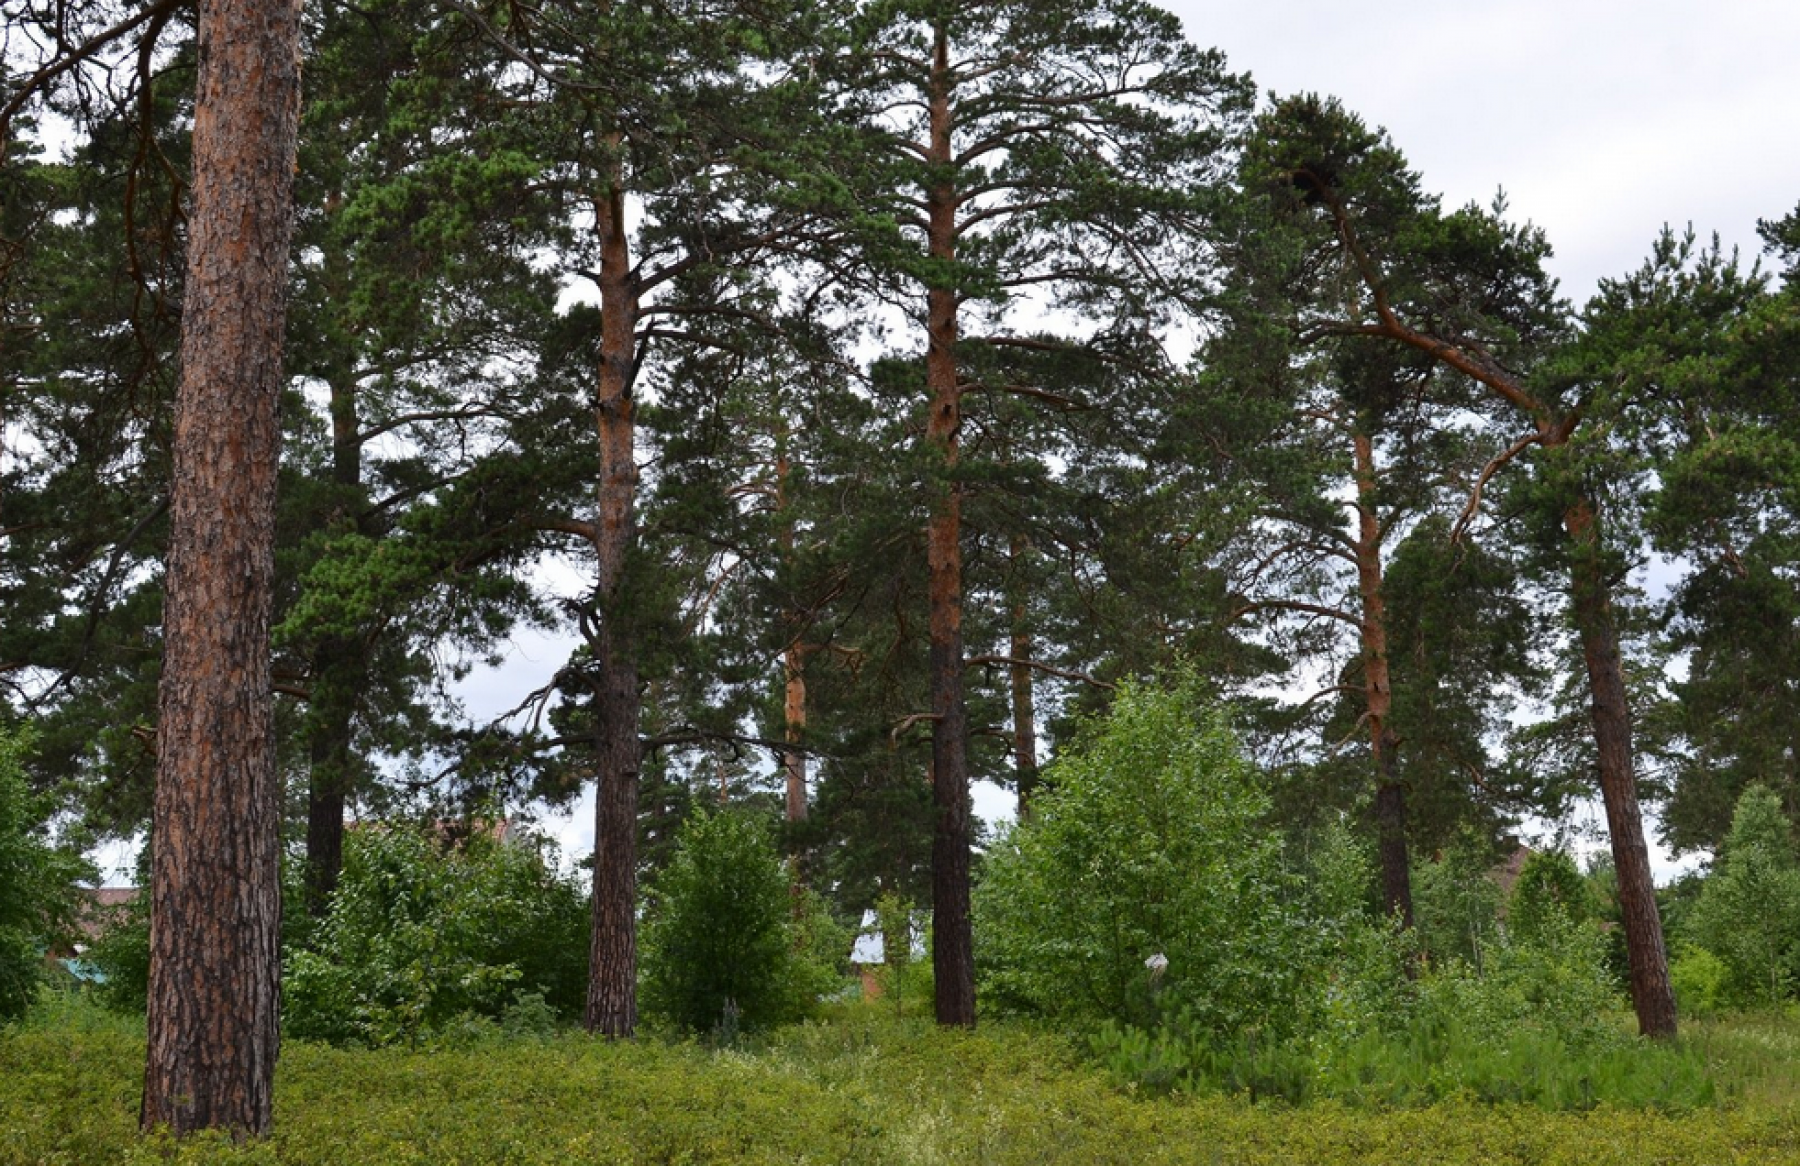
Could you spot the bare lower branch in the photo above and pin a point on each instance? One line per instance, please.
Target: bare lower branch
(1487, 472)
(907, 723)
(1040, 666)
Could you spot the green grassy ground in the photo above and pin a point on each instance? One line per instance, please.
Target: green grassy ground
(857, 1091)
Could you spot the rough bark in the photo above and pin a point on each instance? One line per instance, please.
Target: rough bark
(1378, 692)
(953, 953)
(325, 799)
(612, 971)
(1390, 827)
(215, 891)
(1652, 996)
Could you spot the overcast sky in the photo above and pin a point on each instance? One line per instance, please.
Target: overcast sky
(1602, 119)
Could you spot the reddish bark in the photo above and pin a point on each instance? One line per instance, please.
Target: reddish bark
(793, 762)
(1652, 996)
(953, 953)
(612, 973)
(215, 890)
(793, 663)
(1591, 598)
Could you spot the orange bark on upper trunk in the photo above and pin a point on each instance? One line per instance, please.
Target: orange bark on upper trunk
(953, 961)
(1378, 691)
(612, 973)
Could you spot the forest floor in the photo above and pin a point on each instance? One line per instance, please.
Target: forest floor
(864, 1090)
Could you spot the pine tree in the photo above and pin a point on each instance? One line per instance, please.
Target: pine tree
(215, 886)
(1469, 290)
(1024, 150)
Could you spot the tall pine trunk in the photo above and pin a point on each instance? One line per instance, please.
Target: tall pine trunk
(1652, 996)
(215, 888)
(953, 952)
(327, 778)
(612, 967)
(793, 762)
(1378, 692)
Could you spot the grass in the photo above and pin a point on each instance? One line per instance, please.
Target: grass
(861, 1090)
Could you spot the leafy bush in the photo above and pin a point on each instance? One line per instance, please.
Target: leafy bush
(1361, 981)
(1701, 981)
(724, 947)
(122, 953)
(421, 936)
(38, 896)
(1551, 890)
(1456, 905)
(1557, 982)
(1748, 914)
(1538, 1025)
(907, 985)
(1145, 882)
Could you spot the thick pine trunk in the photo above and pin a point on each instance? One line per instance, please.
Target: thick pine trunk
(1378, 695)
(1652, 997)
(1390, 825)
(953, 952)
(612, 968)
(215, 888)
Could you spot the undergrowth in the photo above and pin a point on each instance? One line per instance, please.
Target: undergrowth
(864, 1090)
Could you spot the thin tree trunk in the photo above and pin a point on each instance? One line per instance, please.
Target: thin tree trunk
(953, 953)
(793, 661)
(337, 669)
(793, 762)
(325, 798)
(1652, 997)
(1384, 744)
(215, 891)
(1025, 767)
(612, 972)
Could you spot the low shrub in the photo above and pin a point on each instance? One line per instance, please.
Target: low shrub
(424, 938)
(874, 1094)
(1539, 1023)
(1701, 981)
(728, 944)
(1145, 881)
(38, 879)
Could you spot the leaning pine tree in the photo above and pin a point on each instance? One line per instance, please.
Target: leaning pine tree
(1470, 291)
